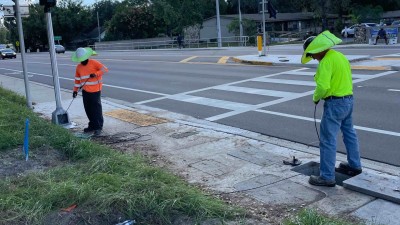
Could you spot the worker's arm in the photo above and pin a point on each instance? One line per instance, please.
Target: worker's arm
(323, 80)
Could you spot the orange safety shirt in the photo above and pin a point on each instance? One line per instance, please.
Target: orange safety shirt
(83, 79)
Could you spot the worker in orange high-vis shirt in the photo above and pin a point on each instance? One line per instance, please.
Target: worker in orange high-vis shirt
(89, 78)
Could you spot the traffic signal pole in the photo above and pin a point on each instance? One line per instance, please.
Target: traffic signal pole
(22, 50)
(59, 116)
(264, 50)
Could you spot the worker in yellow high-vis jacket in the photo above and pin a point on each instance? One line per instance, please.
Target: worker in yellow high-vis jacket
(333, 85)
(89, 78)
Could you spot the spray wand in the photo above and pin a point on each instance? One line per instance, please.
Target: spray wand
(76, 94)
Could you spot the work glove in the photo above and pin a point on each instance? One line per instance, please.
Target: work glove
(92, 75)
(74, 94)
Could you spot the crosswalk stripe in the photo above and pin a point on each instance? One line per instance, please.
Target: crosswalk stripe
(211, 102)
(304, 73)
(281, 81)
(255, 91)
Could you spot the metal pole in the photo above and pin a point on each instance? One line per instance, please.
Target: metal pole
(50, 35)
(22, 50)
(264, 35)
(240, 26)
(98, 25)
(218, 24)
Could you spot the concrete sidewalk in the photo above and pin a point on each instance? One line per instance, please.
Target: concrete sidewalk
(244, 166)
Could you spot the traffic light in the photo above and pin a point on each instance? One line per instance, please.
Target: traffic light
(271, 10)
(48, 3)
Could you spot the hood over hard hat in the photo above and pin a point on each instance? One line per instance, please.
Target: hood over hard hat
(320, 43)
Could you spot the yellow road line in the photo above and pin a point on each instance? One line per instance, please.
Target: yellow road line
(383, 58)
(223, 59)
(188, 59)
(370, 68)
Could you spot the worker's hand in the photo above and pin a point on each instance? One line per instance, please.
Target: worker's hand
(74, 94)
(92, 75)
(316, 102)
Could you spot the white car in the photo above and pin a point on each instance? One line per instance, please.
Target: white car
(350, 30)
(59, 49)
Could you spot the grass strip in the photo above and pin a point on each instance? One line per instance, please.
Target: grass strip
(312, 217)
(102, 182)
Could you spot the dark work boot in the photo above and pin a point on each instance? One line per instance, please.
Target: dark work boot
(346, 169)
(97, 132)
(318, 181)
(88, 129)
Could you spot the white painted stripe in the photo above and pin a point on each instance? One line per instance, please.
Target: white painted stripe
(104, 85)
(304, 73)
(233, 113)
(256, 91)
(393, 90)
(281, 81)
(373, 130)
(211, 102)
(213, 87)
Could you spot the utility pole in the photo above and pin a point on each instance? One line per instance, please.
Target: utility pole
(22, 50)
(218, 24)
(98, 25)
(240, 26)
(59, 116)
(264, 50)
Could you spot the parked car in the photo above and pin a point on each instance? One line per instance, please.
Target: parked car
(8, 53)
(396, 23)
(350, 30)
(60, 49)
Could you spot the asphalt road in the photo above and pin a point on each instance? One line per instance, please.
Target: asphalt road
(275, 101)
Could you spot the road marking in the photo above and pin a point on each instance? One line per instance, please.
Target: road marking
(304, 73)
(105, 85)
(188, 59)
(373, 130)
(285, 99)
(370, 67)
(386, 58)
(256, 91)
(393, 90)
(212, 87)
(281, 81)
(223, 60)
(210, 102)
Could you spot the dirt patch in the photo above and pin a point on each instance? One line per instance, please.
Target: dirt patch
(13, 163)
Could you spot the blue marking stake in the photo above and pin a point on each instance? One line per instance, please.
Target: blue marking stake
(26, 140)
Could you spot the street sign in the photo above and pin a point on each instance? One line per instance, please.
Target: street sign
(8, 10)
(57, 38)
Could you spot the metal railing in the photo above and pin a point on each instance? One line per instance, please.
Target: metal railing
(170, 44)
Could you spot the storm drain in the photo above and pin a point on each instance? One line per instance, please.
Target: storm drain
(312, 168)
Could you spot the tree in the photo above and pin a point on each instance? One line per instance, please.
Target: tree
(71, 15)
(249, 27)
(4, 33)
(367, 13)
(131, 22)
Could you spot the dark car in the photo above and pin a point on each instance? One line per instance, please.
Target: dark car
(8, 53)
(60, 49)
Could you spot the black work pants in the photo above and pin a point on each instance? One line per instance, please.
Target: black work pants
(93, 109)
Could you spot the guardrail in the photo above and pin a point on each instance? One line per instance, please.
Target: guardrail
(170, 44)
